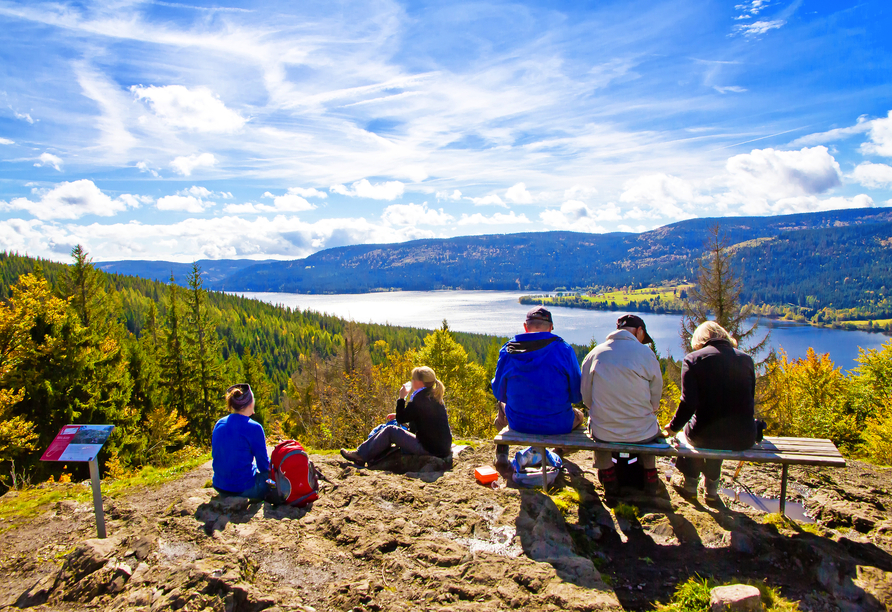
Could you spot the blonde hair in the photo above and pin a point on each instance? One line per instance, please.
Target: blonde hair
(427, 376)
(710, 330)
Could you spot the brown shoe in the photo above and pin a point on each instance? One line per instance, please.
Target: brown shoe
(609, 481)
(352, 456)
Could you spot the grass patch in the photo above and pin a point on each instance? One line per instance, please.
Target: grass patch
(626, 511)
(693, 596)
(18, 505)
(780, 521)
(321, 451)
(565, 500)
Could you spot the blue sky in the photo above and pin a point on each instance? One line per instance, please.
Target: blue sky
(182, 131)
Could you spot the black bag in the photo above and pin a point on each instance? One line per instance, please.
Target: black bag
(629, 472)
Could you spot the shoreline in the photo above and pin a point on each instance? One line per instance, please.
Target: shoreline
(604, 307)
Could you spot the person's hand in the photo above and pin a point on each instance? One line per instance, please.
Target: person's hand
(403, 392)
(391, 416)
(667, 433)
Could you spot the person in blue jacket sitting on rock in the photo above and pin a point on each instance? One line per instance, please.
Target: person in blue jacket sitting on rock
(238, 447)
(537, 381)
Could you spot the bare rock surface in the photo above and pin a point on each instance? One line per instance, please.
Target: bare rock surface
(735, 598)
(431, 538)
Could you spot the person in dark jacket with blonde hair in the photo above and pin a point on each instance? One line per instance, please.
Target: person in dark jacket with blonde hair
(425, 415)
(717, 405)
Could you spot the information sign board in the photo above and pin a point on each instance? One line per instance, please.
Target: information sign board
(83, 443)
(78, 443)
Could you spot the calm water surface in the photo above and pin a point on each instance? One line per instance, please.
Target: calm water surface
(499, 313)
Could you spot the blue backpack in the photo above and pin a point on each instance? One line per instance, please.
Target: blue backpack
(528, 467)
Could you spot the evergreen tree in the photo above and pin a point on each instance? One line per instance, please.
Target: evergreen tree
(203, 351)
(716, 296)
(175, 373)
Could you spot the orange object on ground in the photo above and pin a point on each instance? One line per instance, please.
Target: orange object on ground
(486, 474)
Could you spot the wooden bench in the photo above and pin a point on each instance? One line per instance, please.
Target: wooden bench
(786, 451)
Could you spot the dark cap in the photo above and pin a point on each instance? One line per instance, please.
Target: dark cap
(239, 401)
(540, 313)
(634, 321)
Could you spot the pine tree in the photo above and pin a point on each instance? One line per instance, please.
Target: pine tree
(175, 373)
(203, 350)
(717, 297)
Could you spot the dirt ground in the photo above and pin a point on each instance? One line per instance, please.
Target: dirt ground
(434, 539)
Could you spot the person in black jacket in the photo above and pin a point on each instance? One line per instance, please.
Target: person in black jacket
(717, 406)
(424, 413)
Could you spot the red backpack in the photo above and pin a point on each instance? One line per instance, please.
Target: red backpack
(294, 474)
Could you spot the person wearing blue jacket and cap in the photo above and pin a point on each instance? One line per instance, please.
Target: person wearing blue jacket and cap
(537, 381)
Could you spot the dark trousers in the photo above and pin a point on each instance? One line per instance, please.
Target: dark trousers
(693, 467)
(380, 443)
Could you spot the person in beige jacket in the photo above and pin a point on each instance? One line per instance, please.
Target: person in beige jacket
(622, 385)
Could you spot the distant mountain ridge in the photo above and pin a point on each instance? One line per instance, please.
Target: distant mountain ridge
(212, 270)
(840, 258)
(535, 261)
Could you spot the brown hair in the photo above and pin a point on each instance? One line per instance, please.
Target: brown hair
(239, 397)
(427, 376)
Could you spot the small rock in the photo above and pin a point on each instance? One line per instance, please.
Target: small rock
(141, 548)
(736, 597)
(742, 543)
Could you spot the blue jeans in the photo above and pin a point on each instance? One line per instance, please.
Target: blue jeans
(257, 492)
(380, 443)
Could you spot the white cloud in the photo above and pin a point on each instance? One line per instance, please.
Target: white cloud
(880, 137)
(72, 201)
(185, 165)
(414, 214)
(413, 172)
(48, 159)
(390, 190)
(197, 110)
(455, 196)
(311, 192)
(182, 203)
(771, 175)
(873, 175)
(496, 219)
(833, 135)
(577, 216)
(144, 167)
(205, 193)
(6, 141)
(758, 27)
(24, 117)
(228, 236)
(248, 208)
(634, 230)
(490, 200)
(518, 194)
(805, 204)
(292, 203)
(731, 88)
(579, 191)
(663, 194)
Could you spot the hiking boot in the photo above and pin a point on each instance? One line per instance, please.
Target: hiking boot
(352, 456)
(689, 489)
(712, 489)
(651, 482)
(609, 481)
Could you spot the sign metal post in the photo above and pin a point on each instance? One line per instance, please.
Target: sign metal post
(82, 443)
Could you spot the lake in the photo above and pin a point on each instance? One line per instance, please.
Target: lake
(499, 313)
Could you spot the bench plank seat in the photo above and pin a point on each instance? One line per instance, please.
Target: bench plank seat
(786, 451)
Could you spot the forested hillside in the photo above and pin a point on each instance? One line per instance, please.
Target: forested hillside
(79, 345)
(811, 260)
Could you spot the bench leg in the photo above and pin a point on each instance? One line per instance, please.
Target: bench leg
(544, 469)
(783, 495)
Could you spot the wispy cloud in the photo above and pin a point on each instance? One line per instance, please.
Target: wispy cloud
(186, 165)
(48, 159)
